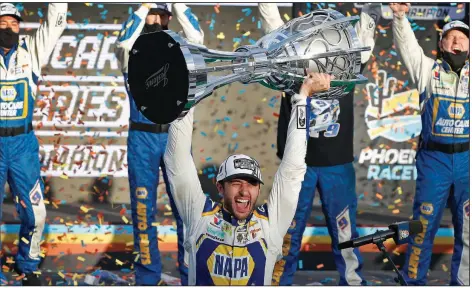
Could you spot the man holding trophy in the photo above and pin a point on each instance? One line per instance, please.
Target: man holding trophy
(235, 243)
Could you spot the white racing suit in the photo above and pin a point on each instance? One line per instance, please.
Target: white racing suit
(223, 250)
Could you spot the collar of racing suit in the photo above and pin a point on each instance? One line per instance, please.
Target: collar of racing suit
(448, 68)
(228, 217)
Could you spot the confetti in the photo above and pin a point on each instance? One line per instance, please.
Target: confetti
(286, 17)
(319, 266)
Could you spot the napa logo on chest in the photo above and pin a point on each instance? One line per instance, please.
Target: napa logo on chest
(231, 267)
(8, 93)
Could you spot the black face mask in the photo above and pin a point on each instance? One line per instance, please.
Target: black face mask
(149, 28)
(8, 38)
(456, 61)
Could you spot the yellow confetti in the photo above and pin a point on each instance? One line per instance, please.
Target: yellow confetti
(37, 272)
(390, 207)
(286, 17)
(80, 258)
(444, 267)
(168, 207)
(385, 260)
(64, 176)
(237, 26)
(167, 213)
(264, 99)
(60, 274)
(447, 19)
(24, 240)
(247, 33)
(118, 262)
(260, 121)
(88, 4)
(397, 201)
(348, 14)
(83, 208)
(124, 219)
(220, 36)
(235, 45)
(75, 283)
(396, 211)
(114, 84)
(46, 201)
(396, 252)
(216, 128)
(136, 259)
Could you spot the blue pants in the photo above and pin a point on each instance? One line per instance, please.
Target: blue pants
(439, 174)
(20, 167)
(337, 187)
(145, 155)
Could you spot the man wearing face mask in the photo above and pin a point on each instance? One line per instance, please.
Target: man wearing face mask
(147, 142)
(442, 160)
(20, 67)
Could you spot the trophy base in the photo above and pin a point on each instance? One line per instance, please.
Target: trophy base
(158, 77)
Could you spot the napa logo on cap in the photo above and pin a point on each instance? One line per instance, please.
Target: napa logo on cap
(8, 93)
(393, 116)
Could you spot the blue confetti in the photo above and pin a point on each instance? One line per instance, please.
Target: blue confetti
(240, 20)
(100, 6)
(300, 264)
(259, 24)
(405, 84)
(234, 135)
(20, 7)
(253, 19)
(252, 42)
(272, 146)
(203, 134)
(237, 40)
(208, 159)
(100, 36)
(223, 98)
(330, 5)
(375, 204)
(40, 13)
(130, 10)
(242, 91)
(222, 133)
(227, 119)
(392, 52)
(212, 175)
(236, 147)
(246, 124)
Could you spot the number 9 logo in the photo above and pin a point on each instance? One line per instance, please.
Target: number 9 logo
(332, 130)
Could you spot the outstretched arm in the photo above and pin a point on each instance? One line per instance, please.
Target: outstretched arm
(365, 28)
(419, 66)
(271, 19)
(45, 38)
(129, 33)
(189, 23)
(181, 171)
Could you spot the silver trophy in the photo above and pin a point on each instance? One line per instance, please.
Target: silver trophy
(168, 75)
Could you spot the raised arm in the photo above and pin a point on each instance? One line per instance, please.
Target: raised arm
(45, 38)
(419, 66)
(283, 198)
(189, 23)
(181, 171)
(365, 28)
(129, 33)
(271, 19)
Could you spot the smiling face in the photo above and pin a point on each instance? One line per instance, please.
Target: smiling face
(239, 196)
(454, 42)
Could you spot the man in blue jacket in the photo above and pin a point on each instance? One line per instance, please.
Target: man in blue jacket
(147, 143)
